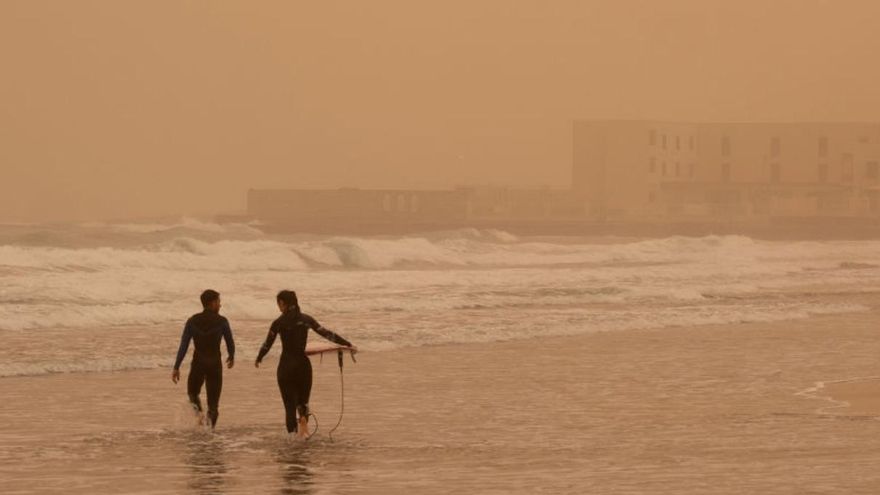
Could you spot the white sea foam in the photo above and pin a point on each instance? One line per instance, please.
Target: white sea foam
(376, 253)
(122, 351)
(80, 366)
(460, 286)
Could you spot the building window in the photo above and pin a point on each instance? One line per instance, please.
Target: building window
(691, 143)
(725, 146)
(823, 146)
(872, 173)
(652, 137)
(725, 172)
(386, 203)
(663, 140)
(414, 203)
(677, 169)
(823, 173)
(775, 172)
(401, 203)
(652, 165)
(691, 168)
(677, 142)
(846, 167)
(652, 197)
(775, 147)
(664, 169)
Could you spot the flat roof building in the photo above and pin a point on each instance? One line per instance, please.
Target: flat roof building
(392, 210)
(624, 169)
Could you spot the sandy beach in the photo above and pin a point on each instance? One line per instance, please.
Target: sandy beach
(708, 409)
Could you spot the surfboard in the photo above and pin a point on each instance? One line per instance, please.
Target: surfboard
(322, 347)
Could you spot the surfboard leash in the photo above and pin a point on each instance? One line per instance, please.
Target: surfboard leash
(316, 426)
(341, 391)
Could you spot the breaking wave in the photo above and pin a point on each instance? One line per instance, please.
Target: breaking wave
(493, 249)
(466, 285)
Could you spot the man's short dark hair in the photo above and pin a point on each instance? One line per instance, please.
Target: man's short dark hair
(208, 297)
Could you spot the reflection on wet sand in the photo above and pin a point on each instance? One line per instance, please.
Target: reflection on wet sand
(205, 458)
(296, 475)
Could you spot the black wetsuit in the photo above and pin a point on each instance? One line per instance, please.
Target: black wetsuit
(206, 329)
(294, 367)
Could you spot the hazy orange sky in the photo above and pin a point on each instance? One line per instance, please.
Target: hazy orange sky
(114, 109)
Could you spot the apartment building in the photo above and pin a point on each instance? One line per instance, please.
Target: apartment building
(641, 169)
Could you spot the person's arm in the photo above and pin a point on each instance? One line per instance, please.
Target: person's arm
(270, 339)
(327, 334)
(230, 344)
(181, 351)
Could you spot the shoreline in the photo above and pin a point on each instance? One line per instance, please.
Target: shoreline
(675, 405)
(249, 334)
(558, 341)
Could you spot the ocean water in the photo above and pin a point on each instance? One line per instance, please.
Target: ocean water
(490, 363)
(126, 286)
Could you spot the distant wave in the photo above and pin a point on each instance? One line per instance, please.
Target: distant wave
(183, 224)
(854, 265)
(155, 280)
(492, 249)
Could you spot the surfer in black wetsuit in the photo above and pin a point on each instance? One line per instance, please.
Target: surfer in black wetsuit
(206, 329)
(294, 367)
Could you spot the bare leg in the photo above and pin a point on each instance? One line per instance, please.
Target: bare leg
(194, 388)
(302, 431)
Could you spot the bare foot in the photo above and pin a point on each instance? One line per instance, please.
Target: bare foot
(302, 429)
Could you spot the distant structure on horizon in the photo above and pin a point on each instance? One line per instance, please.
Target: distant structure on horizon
(651, 170)
(657, 175)
(396, 210)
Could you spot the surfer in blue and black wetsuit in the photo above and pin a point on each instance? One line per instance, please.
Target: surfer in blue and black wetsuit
(206, 329)
(294, 367)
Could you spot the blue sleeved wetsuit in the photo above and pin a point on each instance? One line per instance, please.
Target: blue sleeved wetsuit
(205, 329)
(207, 351)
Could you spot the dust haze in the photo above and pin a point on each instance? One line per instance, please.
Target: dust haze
(433, 247)
(115, 110)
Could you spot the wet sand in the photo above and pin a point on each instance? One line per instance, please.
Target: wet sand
(710, 409)
(859, 396)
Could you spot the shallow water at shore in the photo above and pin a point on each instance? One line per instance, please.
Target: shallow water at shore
(711, 409)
